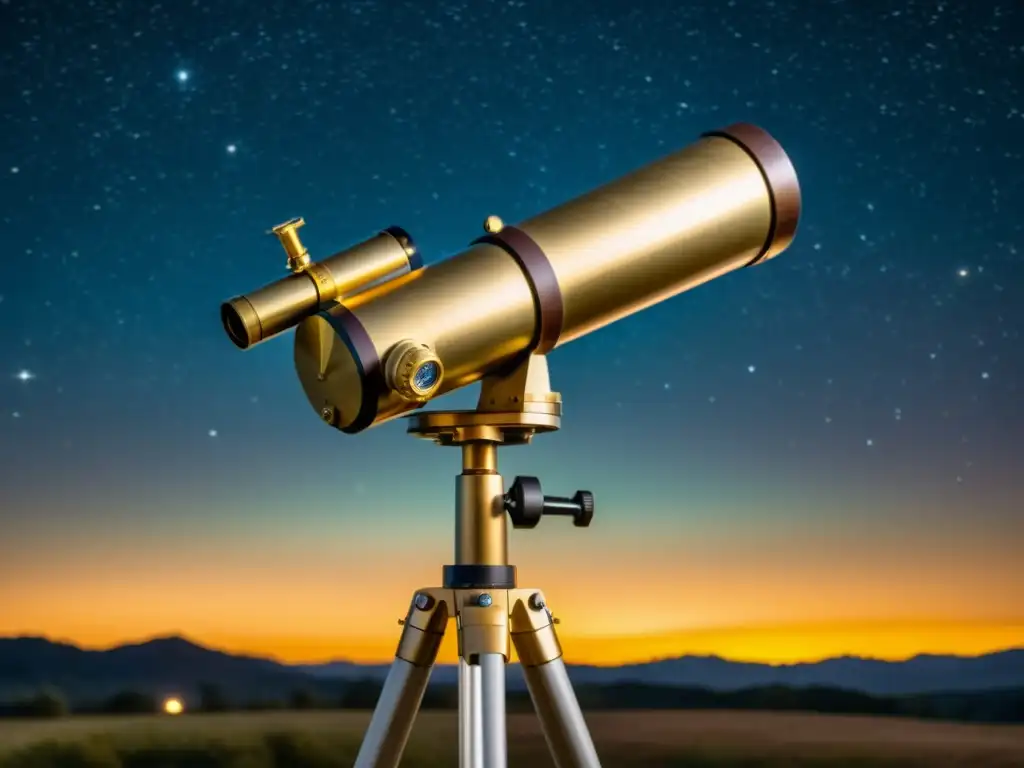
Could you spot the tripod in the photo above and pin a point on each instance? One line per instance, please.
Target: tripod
(480, 591)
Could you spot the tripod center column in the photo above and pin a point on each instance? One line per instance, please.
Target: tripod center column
(481, 526)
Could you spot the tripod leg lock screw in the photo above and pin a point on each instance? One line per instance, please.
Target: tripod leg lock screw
(537, 602)
(422, 602)
(484, 600)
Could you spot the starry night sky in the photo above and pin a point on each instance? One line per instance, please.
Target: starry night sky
(817, 456)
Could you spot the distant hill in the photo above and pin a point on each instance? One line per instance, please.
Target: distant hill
(159, 667)
(920, 674)
(174, 665)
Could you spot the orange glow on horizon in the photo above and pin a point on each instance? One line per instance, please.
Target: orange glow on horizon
(752, 594)
(784, 644)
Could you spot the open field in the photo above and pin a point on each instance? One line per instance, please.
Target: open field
(681, 738)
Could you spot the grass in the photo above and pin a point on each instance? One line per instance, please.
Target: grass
(653, 739)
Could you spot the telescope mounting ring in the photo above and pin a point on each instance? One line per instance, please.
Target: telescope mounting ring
(507, 428)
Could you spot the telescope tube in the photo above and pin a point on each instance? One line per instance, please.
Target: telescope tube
(729, 200)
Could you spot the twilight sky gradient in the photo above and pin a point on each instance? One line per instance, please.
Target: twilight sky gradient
(818, 456)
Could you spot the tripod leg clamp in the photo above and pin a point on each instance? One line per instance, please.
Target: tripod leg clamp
(487, 621)
(424, 626)
(483, 623)
(533, 628)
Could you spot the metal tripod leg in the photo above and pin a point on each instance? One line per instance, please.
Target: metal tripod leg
(482, 732)
(540, 654)
(483, 652)
(492, 739)
(470, 716)
(399, 702)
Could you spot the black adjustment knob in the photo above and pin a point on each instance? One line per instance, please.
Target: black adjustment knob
(584, 501)
(526, 504)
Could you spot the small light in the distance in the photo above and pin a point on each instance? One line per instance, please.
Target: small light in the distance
(182, 76)
(212, 433)
(231, 148)
(173, 706)
(963, 272)
(24, 375)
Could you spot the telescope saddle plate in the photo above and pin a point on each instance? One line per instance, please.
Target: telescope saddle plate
(458, 427)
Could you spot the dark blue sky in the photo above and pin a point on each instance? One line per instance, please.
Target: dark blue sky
(859, 396)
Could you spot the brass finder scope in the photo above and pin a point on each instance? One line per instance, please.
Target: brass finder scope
(380, 335)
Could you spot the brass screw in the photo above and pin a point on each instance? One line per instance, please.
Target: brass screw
(328, 413)
(493, 225)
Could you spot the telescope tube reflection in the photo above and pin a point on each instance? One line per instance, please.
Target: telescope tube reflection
(727, 201)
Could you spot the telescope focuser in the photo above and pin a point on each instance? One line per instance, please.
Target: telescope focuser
(526, 503)
(287, 233)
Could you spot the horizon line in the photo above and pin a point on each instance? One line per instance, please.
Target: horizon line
(193, 640)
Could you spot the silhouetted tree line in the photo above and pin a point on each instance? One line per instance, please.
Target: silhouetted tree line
(1005, 706)
(43, 704)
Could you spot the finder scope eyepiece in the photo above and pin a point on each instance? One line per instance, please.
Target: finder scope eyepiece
(378, 335)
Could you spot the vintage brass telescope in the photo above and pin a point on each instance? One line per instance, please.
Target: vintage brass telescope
(379, 335)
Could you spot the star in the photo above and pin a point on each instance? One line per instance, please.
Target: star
(231, 148)
(16, 415)
(24, 375)
(962, 272)
(870, 442)
(182, 76)
(984, 375)
(751, 368)
(212, 433)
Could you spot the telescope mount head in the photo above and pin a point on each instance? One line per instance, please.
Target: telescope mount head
(514, 405)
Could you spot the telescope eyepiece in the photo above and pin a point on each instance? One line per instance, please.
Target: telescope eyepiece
(413, 371)
(427, 376)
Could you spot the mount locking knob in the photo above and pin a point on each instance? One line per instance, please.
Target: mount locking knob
(526, 503)
(584, 501)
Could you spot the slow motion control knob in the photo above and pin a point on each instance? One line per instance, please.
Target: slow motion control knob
(526, 504)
